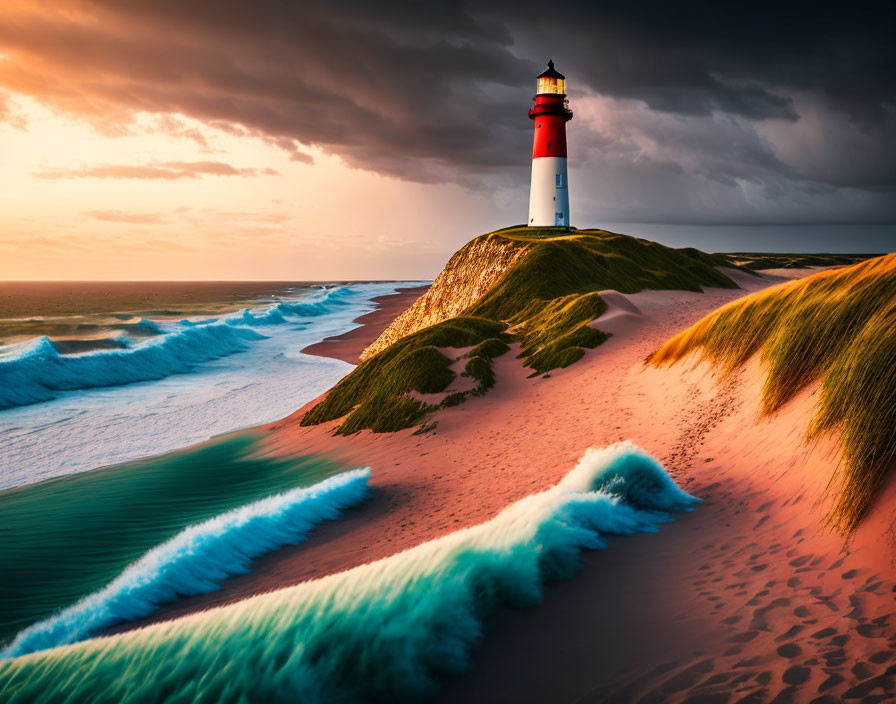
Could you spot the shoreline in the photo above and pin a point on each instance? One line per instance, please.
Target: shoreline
(348, 346)
(226, 393)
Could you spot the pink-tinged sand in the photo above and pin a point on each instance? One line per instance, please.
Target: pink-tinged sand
(746, 596)
(349, 345)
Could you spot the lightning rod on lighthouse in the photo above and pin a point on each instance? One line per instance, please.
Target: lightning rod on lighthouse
(549, 193)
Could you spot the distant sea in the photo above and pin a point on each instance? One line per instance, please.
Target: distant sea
(95, 373)
(84, 312)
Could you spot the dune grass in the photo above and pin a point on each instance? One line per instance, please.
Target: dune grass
(556, 333)
(547, 298)
(584, 261)
(550, 295)
(490, 348)
(376, 395)
(479, 366)
(757, 261)
(835, 328)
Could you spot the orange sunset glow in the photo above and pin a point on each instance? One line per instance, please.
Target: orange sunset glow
(172, 198)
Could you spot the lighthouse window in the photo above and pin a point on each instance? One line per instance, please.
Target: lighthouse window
(554, 86)
(559, 183)
(549, 145)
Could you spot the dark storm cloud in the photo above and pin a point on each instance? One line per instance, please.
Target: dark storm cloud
(738, 57)
(438, 91)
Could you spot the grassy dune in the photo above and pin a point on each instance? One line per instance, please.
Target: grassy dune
(544, 301)
(835, 328)
(376, 395)
(757, 261)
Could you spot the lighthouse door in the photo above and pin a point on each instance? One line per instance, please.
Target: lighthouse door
(558, 220)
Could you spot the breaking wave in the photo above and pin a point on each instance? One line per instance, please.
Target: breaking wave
(38, 371)
(383, 630)
(197, 559)
(277, 313)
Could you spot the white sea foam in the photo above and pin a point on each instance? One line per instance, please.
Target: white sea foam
(197, 559)
(35, 371)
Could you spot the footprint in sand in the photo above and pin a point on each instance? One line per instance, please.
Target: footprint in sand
(790, 650)
(824, 633)
(744, 637)
(834, 658)
(832, 681)
(861, 671)
(869, 630)
(800, 561)
(796, 675)
(791, 633)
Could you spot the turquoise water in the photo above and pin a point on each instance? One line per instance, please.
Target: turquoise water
(65, 538)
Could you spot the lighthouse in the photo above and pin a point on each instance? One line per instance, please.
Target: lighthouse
(549, 193)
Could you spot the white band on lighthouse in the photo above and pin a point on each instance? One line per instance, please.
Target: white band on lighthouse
(549, 193)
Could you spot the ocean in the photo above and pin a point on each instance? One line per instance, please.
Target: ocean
(93, 374)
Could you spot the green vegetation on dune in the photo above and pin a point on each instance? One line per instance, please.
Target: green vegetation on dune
(715, 260)
(545, 300)
(757, 261)
(376, 395)
(554, 335)
(837, 328)
(65, 538)
(559, 263)
(480, 368)
(491, 348)
(550, 296)
(479, 365)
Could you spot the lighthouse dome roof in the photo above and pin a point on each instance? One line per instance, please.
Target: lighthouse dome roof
(551, 72)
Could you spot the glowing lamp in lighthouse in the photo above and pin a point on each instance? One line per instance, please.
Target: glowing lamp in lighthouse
(549, 193)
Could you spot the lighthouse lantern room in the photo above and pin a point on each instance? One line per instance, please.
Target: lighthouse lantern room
(549, 193)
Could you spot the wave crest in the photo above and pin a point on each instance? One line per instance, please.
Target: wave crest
(36, 371)
(383, 630)
(197, 559)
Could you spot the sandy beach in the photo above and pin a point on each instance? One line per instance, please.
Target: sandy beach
(749, 594)
(348, 346)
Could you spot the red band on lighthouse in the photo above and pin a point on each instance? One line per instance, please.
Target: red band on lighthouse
(550, 136)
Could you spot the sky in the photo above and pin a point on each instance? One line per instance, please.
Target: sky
(279, 140)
